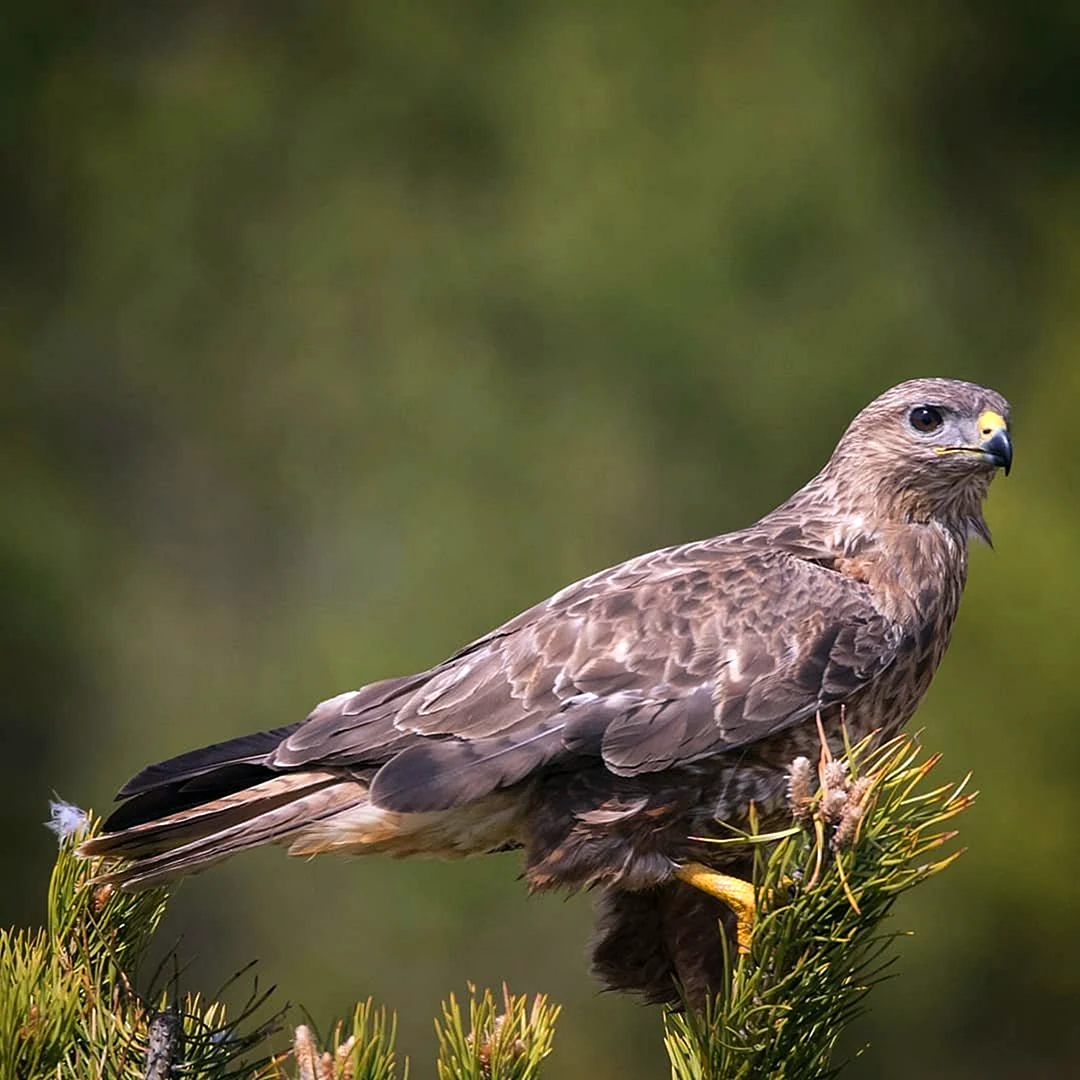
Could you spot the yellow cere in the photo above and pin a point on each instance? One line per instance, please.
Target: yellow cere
(991, 422)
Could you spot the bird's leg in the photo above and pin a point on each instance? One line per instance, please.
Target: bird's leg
(733, 891)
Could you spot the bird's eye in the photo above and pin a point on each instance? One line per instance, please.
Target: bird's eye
(925, 418)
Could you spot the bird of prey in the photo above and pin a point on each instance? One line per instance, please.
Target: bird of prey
(609, 729)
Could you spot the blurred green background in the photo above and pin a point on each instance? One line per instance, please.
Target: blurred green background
(333, 334)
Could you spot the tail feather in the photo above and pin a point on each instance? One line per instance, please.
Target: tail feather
(169, 799)
(197, 777)
(244, 750)
(194, 838)
(187, 824)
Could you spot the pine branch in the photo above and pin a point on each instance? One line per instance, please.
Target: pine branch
(367, 1054)
(867, 830)
(509, 1044)
(867, 835)
(69, 1008)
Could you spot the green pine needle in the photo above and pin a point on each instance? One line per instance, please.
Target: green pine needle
(868, 830)
(823, 892)
(69, 1007)
(501, 1044)
(367, 1054)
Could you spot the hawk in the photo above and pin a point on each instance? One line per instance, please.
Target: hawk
(609, 729)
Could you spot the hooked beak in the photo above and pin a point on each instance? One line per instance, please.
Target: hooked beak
(999, 449)
(996, 443)
(995, 447)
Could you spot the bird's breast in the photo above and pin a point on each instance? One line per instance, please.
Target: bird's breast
(914, 573)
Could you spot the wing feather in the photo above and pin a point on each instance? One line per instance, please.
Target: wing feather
(649, 676)
(667, 659)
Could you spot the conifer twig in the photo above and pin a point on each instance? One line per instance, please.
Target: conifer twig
(69, 1004)
(823, 892)
(366, 1054)
(509, 1044)
(867, 828)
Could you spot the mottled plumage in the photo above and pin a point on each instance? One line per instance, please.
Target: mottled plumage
(649, 704)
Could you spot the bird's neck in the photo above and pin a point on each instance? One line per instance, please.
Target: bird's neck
(915, 571)
(913, 561)
(887, 505)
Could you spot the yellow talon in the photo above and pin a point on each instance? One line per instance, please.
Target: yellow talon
(733, 891)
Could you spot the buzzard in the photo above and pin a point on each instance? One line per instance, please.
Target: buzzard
(608, 729)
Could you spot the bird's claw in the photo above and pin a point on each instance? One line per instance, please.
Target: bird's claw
(737, 894)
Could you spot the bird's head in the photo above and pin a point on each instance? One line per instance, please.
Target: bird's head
(926, 450)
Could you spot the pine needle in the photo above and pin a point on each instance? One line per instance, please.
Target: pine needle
(818, 945)
(366, 1054)
(506, 1044)
(69, 1007)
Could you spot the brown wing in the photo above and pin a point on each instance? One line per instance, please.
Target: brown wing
(664, 660)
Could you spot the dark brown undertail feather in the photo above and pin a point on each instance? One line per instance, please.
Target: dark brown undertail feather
(654, 941)
(191, 839)
(197, 777)
(174, 798)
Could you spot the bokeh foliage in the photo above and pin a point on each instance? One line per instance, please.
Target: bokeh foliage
(333, 334)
